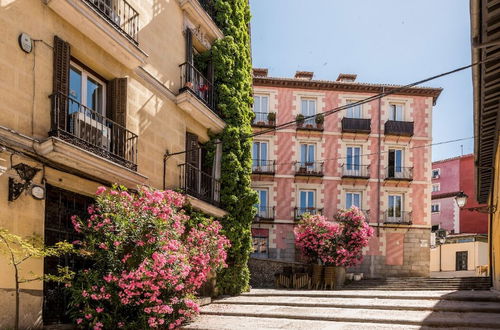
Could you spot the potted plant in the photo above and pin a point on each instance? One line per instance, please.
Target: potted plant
(320, 119)
(271, 118)
(299, 119)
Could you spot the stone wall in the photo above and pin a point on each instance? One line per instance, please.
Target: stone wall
(262, 271)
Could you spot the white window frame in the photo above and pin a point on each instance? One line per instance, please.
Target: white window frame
(438, 185)
(85, 74)
(260, 97)
(438, 170)
(309, 101)
(350, 110)
(354, 193)
(395, 218)
(309, 145)
(438, 208)
(260, 211)
(400, 173)
(315, 197)
(393, 115)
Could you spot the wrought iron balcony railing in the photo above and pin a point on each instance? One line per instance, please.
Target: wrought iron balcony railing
(264, 212)
(260, 166)
(399, 173)
(193, 80)
(356, 125)
(309, 168)
(355, 171)
(397, 216)
(120, 14)
(199, 184)
(89, 130)
(402, 128)
(309, 125)
(264, 119)
(300, 211)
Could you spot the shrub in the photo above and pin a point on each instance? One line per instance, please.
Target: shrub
(300, 119)
(147, 259)
(271, 116)
(320, 119)
(314, 235)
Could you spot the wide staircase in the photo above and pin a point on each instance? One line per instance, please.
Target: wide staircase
(422, 283)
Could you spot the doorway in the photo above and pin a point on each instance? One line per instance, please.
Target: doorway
(461, 260)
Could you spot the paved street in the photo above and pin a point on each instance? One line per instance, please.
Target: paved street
(280, 309)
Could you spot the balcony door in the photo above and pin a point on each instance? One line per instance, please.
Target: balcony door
(262, 205)
(353, 199)
(307, 156)
(396, 112)
(395, 208)
(260, 155)
(396, 163)
(307, 201)
(353, 161)
(87, 90)
(308, 108)
(261, 108)
(354, 111)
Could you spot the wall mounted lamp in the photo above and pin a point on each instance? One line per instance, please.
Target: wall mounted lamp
(461, 200)
(26, 173)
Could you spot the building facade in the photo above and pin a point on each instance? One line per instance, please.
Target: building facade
(95, 93)
(460, 253)
(370, 155)
(449, 177)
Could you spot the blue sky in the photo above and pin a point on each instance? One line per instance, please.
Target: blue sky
(384, 41)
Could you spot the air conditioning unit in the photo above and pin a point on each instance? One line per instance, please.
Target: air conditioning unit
(90, 130)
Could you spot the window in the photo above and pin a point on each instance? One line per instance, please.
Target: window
(436, 187)
(86, 89)
(435, 228)
(307, 154)
(260, 246)
(308, 108)
(395, 208)
(261, 104)
(307, 202)
(353, 199)
(259, 154)
(396, 112)
(436, 173)
(354, 111)
(435, 208)
(262, 205)
(353, 160)
(395, 166)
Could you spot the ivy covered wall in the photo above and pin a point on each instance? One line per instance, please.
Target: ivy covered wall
(233, 80)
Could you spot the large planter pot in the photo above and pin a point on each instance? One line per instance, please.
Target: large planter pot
(329, 278)
(317, 275)
(339, 276)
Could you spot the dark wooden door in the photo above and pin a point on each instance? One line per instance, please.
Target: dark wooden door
(461, 260)
(60, 205)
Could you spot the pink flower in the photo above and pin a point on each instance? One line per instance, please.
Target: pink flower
(99, 309)
(79, 320)
(88, 316)
(116, 243)
(100, 190)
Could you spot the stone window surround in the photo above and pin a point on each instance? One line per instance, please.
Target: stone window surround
(272, 95)
(407, 104)
(299, 95)
(438, 204)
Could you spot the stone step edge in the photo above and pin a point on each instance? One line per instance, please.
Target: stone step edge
(402, 297)
(432, 323)
(474, 309)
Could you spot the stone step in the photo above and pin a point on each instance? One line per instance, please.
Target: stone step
(419, 318)
(367, 303)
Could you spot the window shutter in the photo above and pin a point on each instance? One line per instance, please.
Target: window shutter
(60, 81)
(192, 157)
(189, 46)
(117, 101)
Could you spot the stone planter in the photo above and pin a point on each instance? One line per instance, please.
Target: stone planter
(339, 276)
(329, 278)
(358, 277)
(317, 276)
(349, 276)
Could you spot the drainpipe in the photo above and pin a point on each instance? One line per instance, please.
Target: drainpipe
(379, 161)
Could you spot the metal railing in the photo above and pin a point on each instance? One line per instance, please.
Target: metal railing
(199, 184)
(90, 130)
(309, 168)
(356, 125)
(193, 80)
(120, 14)
(262, 119)
(394, 127)
(309, 125)
(264, 212)
(397, 216)
(300, 211)
(355, 171)
(260, 166)
(399, 173)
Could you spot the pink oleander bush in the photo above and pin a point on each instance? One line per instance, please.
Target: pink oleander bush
(338, 243)
(145, 257)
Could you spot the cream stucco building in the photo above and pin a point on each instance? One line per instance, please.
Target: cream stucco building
(97, 92)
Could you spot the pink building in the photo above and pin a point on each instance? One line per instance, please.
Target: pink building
(370, 155)
(449, 177)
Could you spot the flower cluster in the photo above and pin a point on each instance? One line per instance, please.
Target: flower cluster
(337, 243)
(147, 259)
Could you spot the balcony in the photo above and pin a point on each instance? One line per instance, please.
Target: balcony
(200, 16)
(300, 211)
(264, 213)
(399, 173)
(355, 171)
(194, 81)
(401, 128)
(309, 125)
(394, 216)
(264, 119)
(200, 185)
(356, 125)
(263, 166)
(309, 169)
(121, 15)
(89, 130)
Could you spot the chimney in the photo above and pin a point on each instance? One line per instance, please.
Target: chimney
(347, 77)
(259, 72)
(304, 75)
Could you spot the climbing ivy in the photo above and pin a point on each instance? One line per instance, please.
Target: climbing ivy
(232, 69)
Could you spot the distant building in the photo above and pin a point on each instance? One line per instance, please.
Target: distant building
(321, 167)
(460, 253)
(449, 177)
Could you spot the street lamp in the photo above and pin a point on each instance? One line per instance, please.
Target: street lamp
(461, 200)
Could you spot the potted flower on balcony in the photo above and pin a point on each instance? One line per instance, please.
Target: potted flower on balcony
(320, 119)
(299, 119)
(271, 118)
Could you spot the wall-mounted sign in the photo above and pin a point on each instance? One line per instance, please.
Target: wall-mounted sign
(25, 42)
